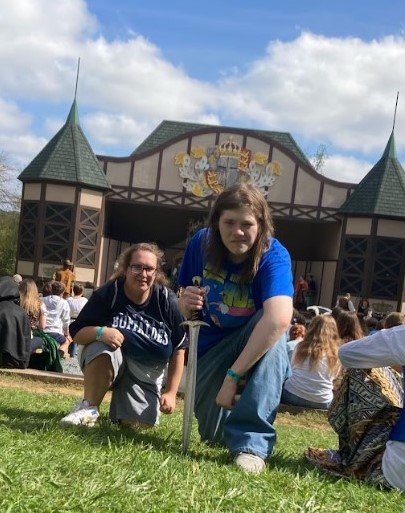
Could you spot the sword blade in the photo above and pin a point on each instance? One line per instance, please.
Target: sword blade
(191, 374)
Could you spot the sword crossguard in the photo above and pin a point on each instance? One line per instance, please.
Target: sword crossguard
(193, 323)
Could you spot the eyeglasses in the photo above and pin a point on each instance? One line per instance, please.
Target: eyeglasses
(138, 269)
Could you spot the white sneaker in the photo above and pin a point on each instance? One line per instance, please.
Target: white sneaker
(82, 414)
(249, 462)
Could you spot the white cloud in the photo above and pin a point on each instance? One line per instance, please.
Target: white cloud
(333, 91)
(346, 169)
(330, 89)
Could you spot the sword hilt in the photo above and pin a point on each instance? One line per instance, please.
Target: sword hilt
(196, 314)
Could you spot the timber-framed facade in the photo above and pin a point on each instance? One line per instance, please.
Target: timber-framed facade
(87, 208)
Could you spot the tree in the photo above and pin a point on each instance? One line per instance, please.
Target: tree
(10, 195)
(9, 216)
(318, 160)
(8, 241)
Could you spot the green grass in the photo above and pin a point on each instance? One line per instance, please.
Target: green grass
(44, 468)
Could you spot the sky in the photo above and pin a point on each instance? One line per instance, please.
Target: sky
(327, 72)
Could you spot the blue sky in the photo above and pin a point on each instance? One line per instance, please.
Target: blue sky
(327, 72)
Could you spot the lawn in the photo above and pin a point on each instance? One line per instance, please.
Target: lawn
(45, 468)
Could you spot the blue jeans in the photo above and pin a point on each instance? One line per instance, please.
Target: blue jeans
(248, 427)
(290, 398)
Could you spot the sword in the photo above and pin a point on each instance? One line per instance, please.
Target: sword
(194, 325)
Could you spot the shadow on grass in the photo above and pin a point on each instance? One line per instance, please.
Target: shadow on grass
(106, 433)
(296, 465)
(24, 420)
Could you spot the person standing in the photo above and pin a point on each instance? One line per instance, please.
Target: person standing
(310, 295)
(246, 298)
(66, 276)
(300, 291)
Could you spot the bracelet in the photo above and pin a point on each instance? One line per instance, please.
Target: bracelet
(99, 332)
(232, 374)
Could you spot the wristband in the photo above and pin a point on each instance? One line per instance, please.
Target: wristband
(232, 374)
(99, 332)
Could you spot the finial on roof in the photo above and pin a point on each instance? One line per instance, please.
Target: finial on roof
(77, 75)
(395, 111)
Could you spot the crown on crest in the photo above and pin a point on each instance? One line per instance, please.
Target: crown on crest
(229, 147)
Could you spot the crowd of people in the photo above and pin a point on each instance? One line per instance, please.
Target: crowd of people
(254, 351)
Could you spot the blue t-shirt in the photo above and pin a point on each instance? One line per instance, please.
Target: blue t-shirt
(228, 305)
(152, 331)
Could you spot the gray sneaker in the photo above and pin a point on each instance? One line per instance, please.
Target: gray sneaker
(249, 462)
(82, 414)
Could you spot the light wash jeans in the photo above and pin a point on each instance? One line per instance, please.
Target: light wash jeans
(248, 427)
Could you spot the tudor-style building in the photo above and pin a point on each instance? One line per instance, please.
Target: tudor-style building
(350, 237)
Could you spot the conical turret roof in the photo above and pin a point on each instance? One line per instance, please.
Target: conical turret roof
(67, 158)
(382, 190)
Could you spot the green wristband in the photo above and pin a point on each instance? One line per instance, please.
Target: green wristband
(99, 332)
(232, 374)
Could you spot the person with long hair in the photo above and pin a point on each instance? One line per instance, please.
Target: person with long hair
(245, 295)
(348, 325)
(128, 332)
(366, 405)
(35, 308)
(315, 365)
(367, 413)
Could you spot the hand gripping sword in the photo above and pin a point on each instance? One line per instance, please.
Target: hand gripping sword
(194, 325)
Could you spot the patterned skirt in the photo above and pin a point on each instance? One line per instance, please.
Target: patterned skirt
(363, 412)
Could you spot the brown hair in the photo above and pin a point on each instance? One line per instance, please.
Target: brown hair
(29, 298)
(47, 289)
(349, 326)
(394, 319)
(77, 289)
(322, 339)
(235, 197)
(297, 331)
(125, 258)
(58, 288)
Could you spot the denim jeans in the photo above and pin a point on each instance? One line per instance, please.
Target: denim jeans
(248, 427)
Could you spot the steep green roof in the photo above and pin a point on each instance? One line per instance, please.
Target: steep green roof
(67, 158)
(382, 190)
(168, 130)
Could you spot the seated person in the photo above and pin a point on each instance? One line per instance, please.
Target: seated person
(36, 310)
(315, 365)
(394, 319)
(76, 303)
(127, 333)
(371, 325)
(349, 326)
(296, 334)
(58, 317)
(367, 413)
(15, 330)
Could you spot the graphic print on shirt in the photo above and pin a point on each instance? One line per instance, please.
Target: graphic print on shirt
(228, 303)
(144, 335)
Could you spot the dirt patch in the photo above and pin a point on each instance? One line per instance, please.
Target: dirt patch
(40, 387)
